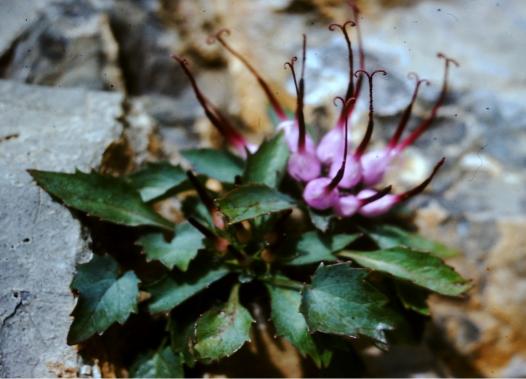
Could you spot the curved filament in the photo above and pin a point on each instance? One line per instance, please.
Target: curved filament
(378, 195)
(341, 171)
(300, 94)
(370, 124)
(415, 191)
(407, 112)
(424, 125)
(219, 36)
(222, 124)
(343, 28)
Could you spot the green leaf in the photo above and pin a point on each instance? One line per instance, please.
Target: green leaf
(179, 251)
(412, 297)
(181, 327)
(267, 166)
(217, 164)
(253, 200)
(104, 297)
(417, 267)
(161, 364)
(315, 247)
(106, 197)
(192, 206)
(290, 323)
(387, 236)
(156, 179)
(222, 331)
(321, 221)
(172, 290)
(340, 301)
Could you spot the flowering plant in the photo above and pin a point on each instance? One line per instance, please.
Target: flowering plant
(293, 219)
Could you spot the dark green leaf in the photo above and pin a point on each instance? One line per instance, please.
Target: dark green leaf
(387, 236)
(222, 331)
(193, 207)
(217, 164)
(314, 247)
(321, 221)
(290, 323)
(161, 364)
(156, 179)
(179, 251)
(412, 297)
(417, 267)
(104, 297)
(172, 290)
(111, 199)
(340, 301)
(253, 200)
(181, 327)
(267, 166)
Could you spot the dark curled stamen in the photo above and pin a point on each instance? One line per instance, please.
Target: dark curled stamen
(220, 122)
(343, 28)
(300, 93)
(424, 125)
(370, 124)
(340, 99)
(415, 191)
(341, 171)
(407, 112)
(290, 65)
(376, 196)
(301, 98)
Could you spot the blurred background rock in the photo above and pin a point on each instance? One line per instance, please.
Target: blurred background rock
(477, 204)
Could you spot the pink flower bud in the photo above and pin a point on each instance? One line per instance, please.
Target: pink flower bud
(374, 165)
(330, 146)
(292, 135)
(318, 194)
(347, 206)
(304, 166)
(352, 174)
(378, 207)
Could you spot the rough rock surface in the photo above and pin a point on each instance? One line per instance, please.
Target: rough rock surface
(64, 44)
(480, 203)
(16, 16)
(41, 242)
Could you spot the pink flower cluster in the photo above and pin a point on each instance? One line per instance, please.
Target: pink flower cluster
(334, 175)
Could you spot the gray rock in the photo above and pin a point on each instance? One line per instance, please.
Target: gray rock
(69, 44)
(146, 44)
(41, 242)
(15, 17)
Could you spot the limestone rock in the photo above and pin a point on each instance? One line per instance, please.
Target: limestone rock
(41, 242)
(146, 43)
(16, 16)
(69, 44)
